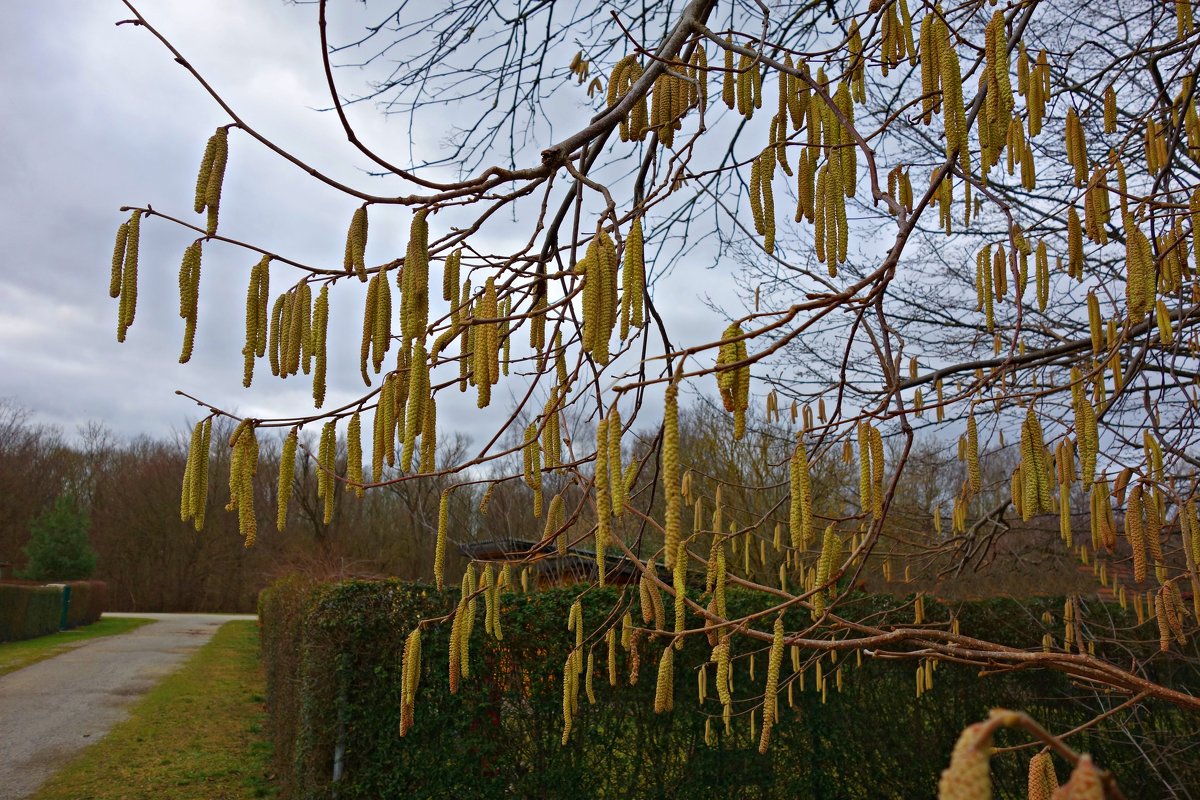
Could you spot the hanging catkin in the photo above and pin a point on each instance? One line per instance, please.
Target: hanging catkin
(287, 471)
(128, 285)
(734, 382)
(189, 293)
(414, 290)
(410, 679)
(800, 515)
(664, 690)
(211, 177)
(770, 700)
(356, 244)
(633, 278)
(969, 774)
(670, 459)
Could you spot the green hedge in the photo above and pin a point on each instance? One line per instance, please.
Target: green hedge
(29, 611)
(88, 602)
(333, 651)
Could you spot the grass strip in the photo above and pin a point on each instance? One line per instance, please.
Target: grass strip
(16, 655)
(198, 734)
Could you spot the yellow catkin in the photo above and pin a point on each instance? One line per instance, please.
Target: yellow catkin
(189, 291)
(243, 468)
(287, 471)
(354, 456)
(633, 278)
(830, 547)
(118, 260)
(1074, 244)
(1139, 271)
(456, 639)
(679, 576)
(670, 458)
(1135, 532)
(554, 525)
(772, 688)
(664, 690)
(1085, 782)
(127, 307)
(414, 292)
(439, 552)
(876, 445)
(418, 401)
(603, 504)
(410, 679)
(800, 515)
(326, 468)
(864, 466)
(356, 244)
(212, 176)
(616, 488)
(969, 775)
(974, 477)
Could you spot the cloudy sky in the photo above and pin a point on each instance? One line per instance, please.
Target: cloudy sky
(98, 116)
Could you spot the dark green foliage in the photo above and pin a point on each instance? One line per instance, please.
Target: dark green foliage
(87, 603)
(58, 548)
(29, 611)
(333, 659)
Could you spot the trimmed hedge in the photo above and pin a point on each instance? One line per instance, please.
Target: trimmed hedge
(333, 651)
(29, 611)
(88, 601)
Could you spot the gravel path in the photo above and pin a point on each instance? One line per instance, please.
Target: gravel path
(51, 710)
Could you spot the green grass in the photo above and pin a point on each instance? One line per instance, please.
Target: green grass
(198, 734)
(15, 655)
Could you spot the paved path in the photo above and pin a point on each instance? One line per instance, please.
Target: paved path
(51, 710)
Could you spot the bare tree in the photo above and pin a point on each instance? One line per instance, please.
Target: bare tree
(989, 227)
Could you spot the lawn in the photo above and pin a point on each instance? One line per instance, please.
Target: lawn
(15, 655)
(198, 734)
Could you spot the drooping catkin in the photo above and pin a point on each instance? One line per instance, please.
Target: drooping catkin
(189, 294)
(679, 576)
(428, 462)
(354, 456)
(616, 487)
(356, 244)
(287, 472)
(603, 504)
(327, 466)
(969, 775)
(570, 684)
(633, 280)
(1135, 532)
(876, 445)
(734, 382)
(211, 177)
(774, 662)
(670, 459)
(864, 466)
(664, 690)
(194, 496)
(242, 469)
(439, 552)
(800, 518)
(418, 401)
(830, 546)
(320, 335)
(554, 525)
(974, 477)
(410, 679)
(127, 306)
(414, 292)
(118, 260)
(1139, 271)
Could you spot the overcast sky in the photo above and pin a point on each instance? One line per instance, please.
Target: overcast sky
(98, 116)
